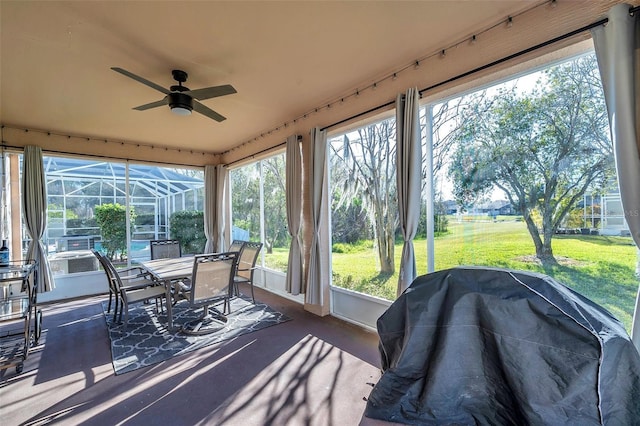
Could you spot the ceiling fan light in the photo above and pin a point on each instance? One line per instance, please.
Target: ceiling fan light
(178, 110)
(180, 103)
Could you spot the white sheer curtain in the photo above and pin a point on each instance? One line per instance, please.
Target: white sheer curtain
(294, 214)
(34, 207)
(215, 179)
(617, 50)
(408, 176)
(319, 270)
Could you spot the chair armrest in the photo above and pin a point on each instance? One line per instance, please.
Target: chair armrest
(131, 269)
(125, 274)
(247, 269)
(183, 286)
(180, 290)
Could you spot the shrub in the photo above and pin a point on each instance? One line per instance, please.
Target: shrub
(188, 228)
(112, 221)
(146, 219)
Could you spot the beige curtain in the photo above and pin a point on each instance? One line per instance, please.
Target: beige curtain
(215, 182)
(34, 207)
(319, 270)
(617, 49)
(294, 213)
(408, 177)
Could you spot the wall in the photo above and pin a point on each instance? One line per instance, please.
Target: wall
(76, 285)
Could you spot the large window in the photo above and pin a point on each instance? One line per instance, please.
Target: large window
(88, 201)
(364, 209)
(259, 209)
(524, 178)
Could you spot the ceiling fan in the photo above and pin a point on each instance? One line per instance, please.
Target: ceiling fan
(180, 99)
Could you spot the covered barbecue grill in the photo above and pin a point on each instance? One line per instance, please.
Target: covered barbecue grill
(474, 345)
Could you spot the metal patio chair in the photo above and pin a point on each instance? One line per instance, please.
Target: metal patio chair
(210, 284)
(128, 287)
(163, 249)
(246, 266)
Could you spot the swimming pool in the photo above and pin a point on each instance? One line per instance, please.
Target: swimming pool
(139, 249)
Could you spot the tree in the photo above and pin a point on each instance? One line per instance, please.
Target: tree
(245, 198)
(445, 125)
(246, 183)
(363, 169)
(187, 226)
(275, 215)
(112, 220)
(367, 165)
(543, 149)
(349, 223)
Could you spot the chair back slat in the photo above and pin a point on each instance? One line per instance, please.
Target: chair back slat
(165, 249)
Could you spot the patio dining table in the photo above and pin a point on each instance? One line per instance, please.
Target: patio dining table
(166, 272)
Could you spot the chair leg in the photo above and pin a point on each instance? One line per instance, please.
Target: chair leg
(126, 314)
(115, 309)
(110, 297)
(252, 296)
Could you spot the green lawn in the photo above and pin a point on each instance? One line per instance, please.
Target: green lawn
(599, 267)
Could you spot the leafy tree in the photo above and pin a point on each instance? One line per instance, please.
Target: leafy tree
(55, 211)
(112, 220)
(246, 201)
(275, 215)
(576, 218)
(440, 221)
(543, 149)
(446, 121)
(187, 226)
(349, 223)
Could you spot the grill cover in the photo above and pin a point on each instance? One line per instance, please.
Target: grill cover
(486, 346)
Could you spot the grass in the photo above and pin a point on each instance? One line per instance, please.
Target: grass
(601, 268)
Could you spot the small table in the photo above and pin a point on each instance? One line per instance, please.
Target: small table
(18, 296)
(166, 271)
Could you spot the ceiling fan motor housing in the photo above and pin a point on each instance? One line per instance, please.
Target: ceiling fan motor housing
(180, 100)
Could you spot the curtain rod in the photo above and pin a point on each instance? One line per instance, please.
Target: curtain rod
(260, 152)
(570, 34)
(102, 157)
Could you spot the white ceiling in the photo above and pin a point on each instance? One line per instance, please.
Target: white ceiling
(283, 58)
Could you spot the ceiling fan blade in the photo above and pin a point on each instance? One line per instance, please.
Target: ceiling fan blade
(152, 105)
(141, 80)
(207, 111)
(211, 92)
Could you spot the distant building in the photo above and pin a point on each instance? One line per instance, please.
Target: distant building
(495, 208)
(612, 216)
(450, 207)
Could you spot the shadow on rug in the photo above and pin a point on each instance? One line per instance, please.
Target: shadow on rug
(146, 341)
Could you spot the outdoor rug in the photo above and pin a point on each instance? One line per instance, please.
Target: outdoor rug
(146, 340)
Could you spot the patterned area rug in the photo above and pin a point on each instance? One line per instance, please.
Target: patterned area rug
(146, 341)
